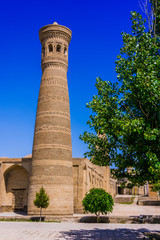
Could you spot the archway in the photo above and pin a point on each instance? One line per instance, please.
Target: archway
(120, 190)
(16, 183)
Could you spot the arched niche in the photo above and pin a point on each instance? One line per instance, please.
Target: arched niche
(50, 48)
(58, 48)
(90, 178)
(16, 180)
(65, 51)
(43, 51)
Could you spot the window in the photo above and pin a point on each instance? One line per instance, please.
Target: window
(65, 51)
(50, 48)
(43, 51)
(58, 48)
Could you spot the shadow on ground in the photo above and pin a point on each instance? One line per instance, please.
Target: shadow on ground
(110, 234)
(93, 219)
(119, 219)
(21, 213)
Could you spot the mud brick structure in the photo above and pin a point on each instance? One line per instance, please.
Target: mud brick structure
(65, 179)
(52, 151)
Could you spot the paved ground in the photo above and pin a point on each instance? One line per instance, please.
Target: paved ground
(134, 210)
(74, 231)
(120, 210)
(79, 231)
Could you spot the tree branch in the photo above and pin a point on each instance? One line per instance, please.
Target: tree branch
(149, 13)
(128, 108)
(143, 110)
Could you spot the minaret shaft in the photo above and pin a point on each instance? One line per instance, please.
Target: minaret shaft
(52, 151)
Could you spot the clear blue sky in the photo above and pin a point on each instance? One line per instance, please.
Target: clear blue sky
(96, 27)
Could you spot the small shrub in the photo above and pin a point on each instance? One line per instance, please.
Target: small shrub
(98, 201)
(41, 201)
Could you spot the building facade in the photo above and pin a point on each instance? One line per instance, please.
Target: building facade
(51, 163)
(65, 180)
(15, 176)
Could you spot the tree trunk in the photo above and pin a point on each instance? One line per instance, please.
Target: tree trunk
(40, 214)
(98, 217)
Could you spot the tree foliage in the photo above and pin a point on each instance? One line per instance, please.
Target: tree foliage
(155, 5)
(156, 187)
(125, 120)
(98, 201)
(42, 200)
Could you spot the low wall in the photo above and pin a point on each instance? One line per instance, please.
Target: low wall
(121, 199)
(6, 209)
(148, 203)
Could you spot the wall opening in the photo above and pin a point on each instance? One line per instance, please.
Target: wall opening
(65, 51)
(43, 51)
(16, 183)
(58, 49)
(120, 190)
(50, 48)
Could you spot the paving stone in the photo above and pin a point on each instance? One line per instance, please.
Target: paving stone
(74, 231)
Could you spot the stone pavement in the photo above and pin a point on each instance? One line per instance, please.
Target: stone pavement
(74, 231)
(134, 210)
(118, 210)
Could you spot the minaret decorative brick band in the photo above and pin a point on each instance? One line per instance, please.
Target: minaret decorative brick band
(52, 150)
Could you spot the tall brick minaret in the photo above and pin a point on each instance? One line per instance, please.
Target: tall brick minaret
(52, 150)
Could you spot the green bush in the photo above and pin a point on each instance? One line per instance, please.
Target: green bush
(98, 201)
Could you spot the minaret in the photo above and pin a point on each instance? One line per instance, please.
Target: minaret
(52, 150)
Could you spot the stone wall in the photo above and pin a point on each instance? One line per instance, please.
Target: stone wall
(153, 195)
(14, 181)
(15, 174)
(86, 176)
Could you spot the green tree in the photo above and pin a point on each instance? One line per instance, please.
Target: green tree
(152, 10)
(98, 201)
(155, 5)
(156, 188)
(125, 120)
(42, 200)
